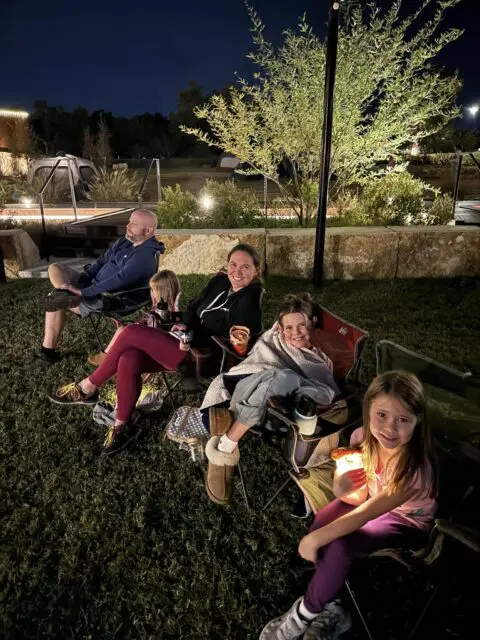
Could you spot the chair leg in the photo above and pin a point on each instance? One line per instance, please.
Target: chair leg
(424, 612)
(95, 329)
(170, 388)
(354, 600)
(277, 493)
(244, 488)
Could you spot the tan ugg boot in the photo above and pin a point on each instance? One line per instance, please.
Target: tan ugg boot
(219, 479)
(97, 359)
(220, 420)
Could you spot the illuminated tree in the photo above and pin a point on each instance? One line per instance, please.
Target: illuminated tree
(388, 94)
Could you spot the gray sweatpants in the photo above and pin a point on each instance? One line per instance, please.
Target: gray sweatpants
(249, 400)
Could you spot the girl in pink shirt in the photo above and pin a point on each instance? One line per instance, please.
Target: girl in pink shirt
(387, 501)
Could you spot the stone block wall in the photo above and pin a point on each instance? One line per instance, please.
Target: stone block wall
(350, 252)
(205, 250)
(19, 251)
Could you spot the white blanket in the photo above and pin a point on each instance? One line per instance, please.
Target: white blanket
(271, 351)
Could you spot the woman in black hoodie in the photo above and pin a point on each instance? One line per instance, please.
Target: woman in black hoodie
(229, 307)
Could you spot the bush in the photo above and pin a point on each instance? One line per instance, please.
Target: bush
(350, 212)
(232, 206)
(441, 210)
(395, 198)
(178, 209)
(220, 205)
(114, 186)
(13, 188)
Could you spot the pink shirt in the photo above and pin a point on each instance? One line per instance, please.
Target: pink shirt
(420, 508)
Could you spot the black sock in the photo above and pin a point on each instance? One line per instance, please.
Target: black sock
(48, 351)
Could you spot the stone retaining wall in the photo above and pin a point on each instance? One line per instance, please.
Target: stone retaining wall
(19, 251)
(350, 252)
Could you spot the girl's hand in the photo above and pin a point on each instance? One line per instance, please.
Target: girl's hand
(351, 481)
(308, 547)
(179, 327)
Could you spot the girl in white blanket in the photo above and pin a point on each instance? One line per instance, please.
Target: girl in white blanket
(282, 362)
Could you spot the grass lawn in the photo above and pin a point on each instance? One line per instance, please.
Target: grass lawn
(130, 547)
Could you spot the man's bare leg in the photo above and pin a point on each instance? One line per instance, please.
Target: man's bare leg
(59, 275)
(54, 323)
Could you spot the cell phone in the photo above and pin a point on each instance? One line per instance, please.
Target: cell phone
(183, 336)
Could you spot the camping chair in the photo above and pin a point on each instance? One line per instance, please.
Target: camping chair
(119, 305)
(453, 403)
(430, 562)
(207, 363)
(344, 344)
(210, 360)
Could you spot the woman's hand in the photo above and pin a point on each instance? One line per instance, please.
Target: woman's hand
(308, 547)
(350, 481)
(179, 327)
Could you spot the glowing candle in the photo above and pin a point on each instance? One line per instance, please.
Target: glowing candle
(347, 459)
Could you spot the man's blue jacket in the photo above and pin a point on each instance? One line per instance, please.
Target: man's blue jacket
(123, 266)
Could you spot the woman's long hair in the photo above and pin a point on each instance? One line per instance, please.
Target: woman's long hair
(166, 286)
(418, 455)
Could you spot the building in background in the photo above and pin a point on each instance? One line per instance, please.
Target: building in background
(14, 141)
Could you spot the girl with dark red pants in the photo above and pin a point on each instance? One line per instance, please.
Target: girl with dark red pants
(386, 498)
(230, 299)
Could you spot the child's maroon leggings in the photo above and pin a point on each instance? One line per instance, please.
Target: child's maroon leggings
(138, 349)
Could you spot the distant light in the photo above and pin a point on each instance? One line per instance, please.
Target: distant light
(415, 150)
(11, 113)
(27, 201)
(473, 109)
(207, 202)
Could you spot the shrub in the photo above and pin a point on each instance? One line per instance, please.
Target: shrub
(114, 186)
(13, 188)
(350, 212)
(441, 210)
(178, 209)
(395, 198)
(232, 206)
(57, 190)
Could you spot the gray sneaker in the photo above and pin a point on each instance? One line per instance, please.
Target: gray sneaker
(330, 623)
(290, 626)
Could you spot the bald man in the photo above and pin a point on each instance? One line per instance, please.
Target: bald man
(129, 263)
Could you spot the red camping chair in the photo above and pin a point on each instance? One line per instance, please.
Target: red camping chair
(344, 344)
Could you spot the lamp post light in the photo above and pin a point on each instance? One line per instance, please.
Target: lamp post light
(207, 202)
(473, 110)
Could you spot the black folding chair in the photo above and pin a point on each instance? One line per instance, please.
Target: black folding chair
(431, 562)
(454, 414)
(120, 305)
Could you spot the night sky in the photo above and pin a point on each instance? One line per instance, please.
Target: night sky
(133, 57)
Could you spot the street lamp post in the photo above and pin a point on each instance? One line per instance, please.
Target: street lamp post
(330, 68)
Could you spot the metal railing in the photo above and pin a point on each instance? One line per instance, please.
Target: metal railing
(145, 178)
(44, 246)
(460, 155)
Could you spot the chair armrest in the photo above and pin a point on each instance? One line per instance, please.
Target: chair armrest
(229, 356)
(123, 292)
(466, 535)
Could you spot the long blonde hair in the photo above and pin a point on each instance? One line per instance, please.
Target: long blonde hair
(418, 454)
(166, 286)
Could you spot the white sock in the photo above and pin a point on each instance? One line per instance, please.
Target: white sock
(226, 445)
(304, 612)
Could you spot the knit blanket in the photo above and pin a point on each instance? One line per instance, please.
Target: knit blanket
(272, 351)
